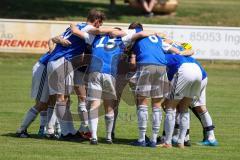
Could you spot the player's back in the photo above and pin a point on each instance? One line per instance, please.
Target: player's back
(77, 46)
(45, 58)
(149, 50)
(106, 52)
(173, 61)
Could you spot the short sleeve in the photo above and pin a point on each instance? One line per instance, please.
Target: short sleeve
(166, 46)
(128, 38)
(87, 28)
(89, 38)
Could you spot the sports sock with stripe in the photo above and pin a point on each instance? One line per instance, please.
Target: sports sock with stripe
(109, 119)
(51, 119)
(70, 121)
(83, 115)
(207, 123)
(29, 118)
(169, 124)
(142, 113)
(194, 110)
(183, 126)
(176, 128)
(64, 118)
(43, 118)
(156, 122)
(93, 122)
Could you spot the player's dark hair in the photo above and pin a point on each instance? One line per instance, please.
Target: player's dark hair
(135, 25)
(94, 14)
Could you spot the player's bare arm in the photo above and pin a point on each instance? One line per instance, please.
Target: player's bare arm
(51, 45)
(60, 40)
(160, 34)
(102, 30)
(187, 52)
(94, 31)
(76, 31)
(133, 64)
(143, 34)
(118, 33)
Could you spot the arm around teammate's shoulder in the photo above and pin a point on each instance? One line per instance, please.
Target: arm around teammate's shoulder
(102, 30)
(61, 40)
(51, 45)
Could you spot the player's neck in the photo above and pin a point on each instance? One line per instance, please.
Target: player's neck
(89, 23)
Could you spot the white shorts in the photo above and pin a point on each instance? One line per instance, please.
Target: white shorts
(186, 82)
(79, 78)
(201, 100)
(40, 90)
(152, 81)
(101, 86)
(60, 77)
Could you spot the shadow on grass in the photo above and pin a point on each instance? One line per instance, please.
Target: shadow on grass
(122, 141)
(13, 135)
(100, 139)
(55, 9)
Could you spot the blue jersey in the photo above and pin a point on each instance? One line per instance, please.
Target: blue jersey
(106, 53)
(174, 61)
(76, 48)
(149, 50)
(44, 58)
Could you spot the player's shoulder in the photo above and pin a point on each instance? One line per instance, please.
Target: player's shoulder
(85, 27)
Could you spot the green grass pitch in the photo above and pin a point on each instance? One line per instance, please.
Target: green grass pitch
(222, 99)
(189, 12)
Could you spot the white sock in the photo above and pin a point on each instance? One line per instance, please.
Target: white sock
(207, 122)
(93, 121)
(57, 127)
(156, 122)
(43, 118)
(70, 121)
(83, 114)
(176, 128)
(64, 118)
(51, 119)
(29, 118)
(109, 119)
(169, 125)
(142, 114)
(184, 125)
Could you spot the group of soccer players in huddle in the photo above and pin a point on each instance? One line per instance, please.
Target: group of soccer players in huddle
(97, 63)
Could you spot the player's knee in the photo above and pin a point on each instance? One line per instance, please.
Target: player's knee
(82, 98)
(41, 106)
(61, 98)
(201, 109)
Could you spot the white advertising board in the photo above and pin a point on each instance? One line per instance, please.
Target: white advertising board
(31, 36)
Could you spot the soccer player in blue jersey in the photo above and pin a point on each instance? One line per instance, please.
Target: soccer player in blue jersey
(126, 74)
(60, 71)
(185, 78)
(151, 83)
(40, 93)
(106, 53)
(198, 105)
